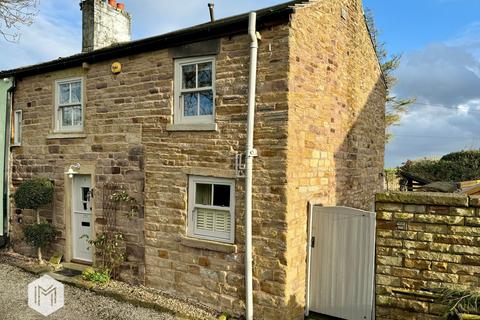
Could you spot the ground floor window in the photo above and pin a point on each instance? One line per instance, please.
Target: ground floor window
(211, 209)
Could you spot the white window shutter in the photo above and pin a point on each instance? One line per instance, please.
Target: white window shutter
(222, 221)
(213, 220)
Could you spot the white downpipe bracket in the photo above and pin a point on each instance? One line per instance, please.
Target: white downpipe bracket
(250, 154)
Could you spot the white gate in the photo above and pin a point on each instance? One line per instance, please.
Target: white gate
(342, 259)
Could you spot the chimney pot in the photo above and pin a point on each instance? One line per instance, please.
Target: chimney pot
(121, 6)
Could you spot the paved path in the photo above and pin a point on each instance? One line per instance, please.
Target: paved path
(79, 304)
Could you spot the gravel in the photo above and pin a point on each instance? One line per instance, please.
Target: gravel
(79, 304)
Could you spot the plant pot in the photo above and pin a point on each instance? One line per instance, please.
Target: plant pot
(121, 6)
(113, 3)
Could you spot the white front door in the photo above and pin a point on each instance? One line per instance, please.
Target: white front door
(82, 218)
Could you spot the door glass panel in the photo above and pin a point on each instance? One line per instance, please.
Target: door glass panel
(85, 197)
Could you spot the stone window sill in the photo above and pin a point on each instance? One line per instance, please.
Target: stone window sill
(192, 127)
(209, 245)
(66, 135)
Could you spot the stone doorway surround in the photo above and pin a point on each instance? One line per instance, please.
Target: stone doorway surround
(85, 169)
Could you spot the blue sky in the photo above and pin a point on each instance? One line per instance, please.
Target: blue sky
(439, 41)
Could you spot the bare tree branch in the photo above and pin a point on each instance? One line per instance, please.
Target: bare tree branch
(15, 13)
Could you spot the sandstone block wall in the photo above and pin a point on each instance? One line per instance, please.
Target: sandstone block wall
(126, 141)
(336, 121)
(111, 146)
(425, 241)
(319, 134)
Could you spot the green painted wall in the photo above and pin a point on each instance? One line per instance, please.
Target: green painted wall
(4, 87)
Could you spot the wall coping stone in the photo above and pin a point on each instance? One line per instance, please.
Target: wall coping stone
(474, 201)
(208, 245)
(431, 198)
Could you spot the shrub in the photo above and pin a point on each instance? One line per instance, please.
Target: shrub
(93, 275)
(39, 236)
(110, 247)
(33, 194)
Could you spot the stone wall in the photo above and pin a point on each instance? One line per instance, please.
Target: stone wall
(214, 273)
(319, 134)
(425, 241)
(126, 141)
(336, 122)
(110, 146)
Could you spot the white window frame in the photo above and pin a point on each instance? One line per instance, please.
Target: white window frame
(178, 113)
(17, 128)
(191, 221)
(57, 112)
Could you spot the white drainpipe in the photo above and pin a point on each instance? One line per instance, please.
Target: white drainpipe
(250, 154)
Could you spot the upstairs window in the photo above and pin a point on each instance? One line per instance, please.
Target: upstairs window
(211, 209)
(69, 105)
(195, 90)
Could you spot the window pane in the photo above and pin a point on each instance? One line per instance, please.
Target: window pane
(64, 93)
(77, 116)
(221, 195)
(76, 92)
(206, 103)
(66, 116)
(203, 194)
(189, 79)
(205, 74)
(190, 104)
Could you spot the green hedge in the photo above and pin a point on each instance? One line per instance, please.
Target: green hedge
(453, 167)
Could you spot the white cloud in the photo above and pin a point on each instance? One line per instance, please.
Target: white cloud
(52, 35)
(445, 81)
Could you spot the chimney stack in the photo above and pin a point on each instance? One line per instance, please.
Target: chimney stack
(104, 23)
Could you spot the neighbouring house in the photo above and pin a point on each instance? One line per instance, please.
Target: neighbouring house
(165, 118)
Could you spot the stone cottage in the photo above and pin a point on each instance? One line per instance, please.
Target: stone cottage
(165, 118)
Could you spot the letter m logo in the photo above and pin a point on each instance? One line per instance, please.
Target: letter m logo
(45, 295)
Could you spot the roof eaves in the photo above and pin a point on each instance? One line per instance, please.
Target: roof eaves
(220, 28)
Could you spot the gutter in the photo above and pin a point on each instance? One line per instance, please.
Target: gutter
(251, 152)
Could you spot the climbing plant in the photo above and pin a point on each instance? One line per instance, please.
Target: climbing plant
(109, 243)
